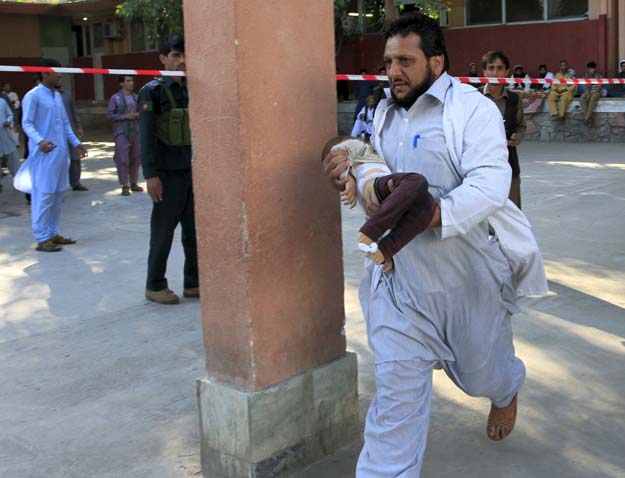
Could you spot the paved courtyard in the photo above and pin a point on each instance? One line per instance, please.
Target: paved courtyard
(96, 382)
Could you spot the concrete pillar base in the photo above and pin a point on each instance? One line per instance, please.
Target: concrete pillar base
(272, 432)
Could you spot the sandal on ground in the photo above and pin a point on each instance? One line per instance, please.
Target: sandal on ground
(48, 246)
(58, 239)
(125, 191)
(135, 188)
(501, 421)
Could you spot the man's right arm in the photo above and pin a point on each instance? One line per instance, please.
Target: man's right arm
(29, 109)
(111, 111)
(146, 132)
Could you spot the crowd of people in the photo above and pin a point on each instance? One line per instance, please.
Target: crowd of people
(150, 129)
(559, 96)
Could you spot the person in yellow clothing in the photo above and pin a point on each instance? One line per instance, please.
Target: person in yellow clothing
(563, 93)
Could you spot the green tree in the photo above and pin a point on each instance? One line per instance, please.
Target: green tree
(159, 17)
(380, 12)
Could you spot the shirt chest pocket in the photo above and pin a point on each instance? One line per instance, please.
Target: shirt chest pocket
(431, 159)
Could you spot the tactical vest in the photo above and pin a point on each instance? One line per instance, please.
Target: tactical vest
(172, 126)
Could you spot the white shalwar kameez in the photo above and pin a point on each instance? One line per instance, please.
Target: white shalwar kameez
(44, 118)
(449, 299)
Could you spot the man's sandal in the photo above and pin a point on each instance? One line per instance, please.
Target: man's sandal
(501, 421)
(58, 239)
(48, 246)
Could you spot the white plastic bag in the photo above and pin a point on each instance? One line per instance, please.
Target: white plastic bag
(22, 180)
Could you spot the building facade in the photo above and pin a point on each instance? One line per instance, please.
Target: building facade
(79, 33)
(531, 32)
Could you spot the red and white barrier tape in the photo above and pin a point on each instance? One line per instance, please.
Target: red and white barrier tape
(91, 71)
(503, 81)
(463, 79)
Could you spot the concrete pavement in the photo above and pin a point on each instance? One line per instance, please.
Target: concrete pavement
(95, 381)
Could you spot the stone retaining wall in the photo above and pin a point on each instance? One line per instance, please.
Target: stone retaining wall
(608, 124)
(93, 117)
(608, 127)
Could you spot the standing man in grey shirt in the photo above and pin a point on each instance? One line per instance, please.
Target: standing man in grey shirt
(75, 165)
(510, 105)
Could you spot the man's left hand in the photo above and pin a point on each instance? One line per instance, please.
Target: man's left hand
(513, 141)
(370, 199)
(82, 151)
(6, 124)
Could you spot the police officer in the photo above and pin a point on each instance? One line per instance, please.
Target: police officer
(166, 162)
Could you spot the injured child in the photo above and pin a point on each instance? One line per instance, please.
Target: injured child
(406, 206)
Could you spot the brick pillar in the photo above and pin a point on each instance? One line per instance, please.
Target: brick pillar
(280, 390)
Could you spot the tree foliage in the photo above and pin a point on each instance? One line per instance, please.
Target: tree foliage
(343, 27)
(159, 17)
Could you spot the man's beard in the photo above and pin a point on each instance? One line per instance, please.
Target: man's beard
(413, 95)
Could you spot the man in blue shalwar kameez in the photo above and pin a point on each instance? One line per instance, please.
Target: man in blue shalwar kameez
(46, 124)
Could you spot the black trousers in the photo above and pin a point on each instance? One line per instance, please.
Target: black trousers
(176, 207)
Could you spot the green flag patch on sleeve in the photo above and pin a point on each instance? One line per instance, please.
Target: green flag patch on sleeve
(146, 106)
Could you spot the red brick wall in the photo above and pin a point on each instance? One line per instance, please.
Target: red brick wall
(133, 61)
(361, 52)
(532, 44)
(84, 89)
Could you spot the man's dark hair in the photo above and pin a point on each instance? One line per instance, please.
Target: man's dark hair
(564, 61)
(591, 64)
(174, 42)
(364, 71)
(491, 56)
(431, 33)
(46, 62)
(122, 78)
(540, 67)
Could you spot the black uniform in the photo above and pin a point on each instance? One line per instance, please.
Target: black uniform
(172, 164)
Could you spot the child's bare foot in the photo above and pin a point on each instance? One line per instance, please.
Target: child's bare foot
(372, 253)
(348, 196)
